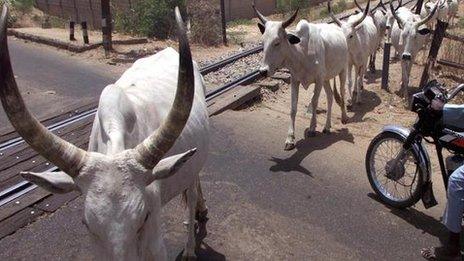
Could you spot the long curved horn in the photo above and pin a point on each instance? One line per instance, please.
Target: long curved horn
(397, 18)
(366, 11)
(63, 154)
(334, 18)
(261, 17)
(430, 16)
(153, 148)
(290, 20)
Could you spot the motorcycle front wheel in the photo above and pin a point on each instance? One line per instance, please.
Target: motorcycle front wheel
(397, 185)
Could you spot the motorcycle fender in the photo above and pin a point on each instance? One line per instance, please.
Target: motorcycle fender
(419, 148)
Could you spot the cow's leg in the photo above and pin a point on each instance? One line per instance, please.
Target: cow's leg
(405, 79)
(362, 72)
(350, 81)
(191, 200)
(342, 77)
(201, 212)
(354, 96)
(290, 141)
(372, 62)
(329, 94)
(314, 100)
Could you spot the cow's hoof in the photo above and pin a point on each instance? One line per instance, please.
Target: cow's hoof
(310, 134)
(289, 146)
(189, 258)
(326, 131)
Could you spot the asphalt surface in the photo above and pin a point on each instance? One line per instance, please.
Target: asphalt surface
(52, 81)
(313, 203)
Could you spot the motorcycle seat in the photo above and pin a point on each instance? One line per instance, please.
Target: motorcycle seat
(453, 117)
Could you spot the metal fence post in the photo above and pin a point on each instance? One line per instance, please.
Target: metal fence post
(386, 64)
(106, 26)
(419, 6)
(223, 22)
(438, 35)
(85, 33)
(71, 31)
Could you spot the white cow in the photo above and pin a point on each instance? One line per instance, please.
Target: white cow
(380, 18)
(315, 53)
(409, 34)
(125, 177)
(361, 37)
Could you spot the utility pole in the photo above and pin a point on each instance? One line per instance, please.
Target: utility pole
(223, 21)
(106, 26)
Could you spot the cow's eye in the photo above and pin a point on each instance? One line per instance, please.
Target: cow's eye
(277, 44)
(350, 36)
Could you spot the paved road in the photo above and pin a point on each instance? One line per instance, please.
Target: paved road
(313, 203)
(52, 81)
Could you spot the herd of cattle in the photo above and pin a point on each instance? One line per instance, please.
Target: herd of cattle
(150, 136)
(316, 53)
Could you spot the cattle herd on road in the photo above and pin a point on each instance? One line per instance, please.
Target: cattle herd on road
(150, 136)
(317, 53)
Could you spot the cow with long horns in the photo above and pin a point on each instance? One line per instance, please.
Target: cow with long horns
(361, 36)
(379, 16)
(409, 35)
(314, 53)
(148, 144)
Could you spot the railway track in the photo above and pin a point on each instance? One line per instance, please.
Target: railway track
(14, 150)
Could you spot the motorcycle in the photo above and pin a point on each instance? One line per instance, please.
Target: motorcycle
(397, 162)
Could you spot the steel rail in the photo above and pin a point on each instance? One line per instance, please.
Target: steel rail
(216, 66)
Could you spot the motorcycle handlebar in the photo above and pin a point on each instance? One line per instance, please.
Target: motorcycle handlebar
(458, 89)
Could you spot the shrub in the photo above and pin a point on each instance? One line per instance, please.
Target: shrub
(149, 18)
(205, 22)
(284, 6)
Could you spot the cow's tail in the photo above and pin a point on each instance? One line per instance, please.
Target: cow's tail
(337, 97)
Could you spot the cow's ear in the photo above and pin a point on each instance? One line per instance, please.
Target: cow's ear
(262, 28)
(424, 31)
(55, 182)
(293, 39)
(170, 165)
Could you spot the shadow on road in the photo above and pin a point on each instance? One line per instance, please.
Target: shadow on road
(372, 77)
(370, 101)
(205, 252)
(304, 147)
(418, 219)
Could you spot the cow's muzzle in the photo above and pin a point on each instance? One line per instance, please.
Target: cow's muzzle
(406, 57)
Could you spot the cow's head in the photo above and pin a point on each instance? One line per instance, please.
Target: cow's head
(414, 33)
(276, 42)
(350, 28)
(120, 216)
